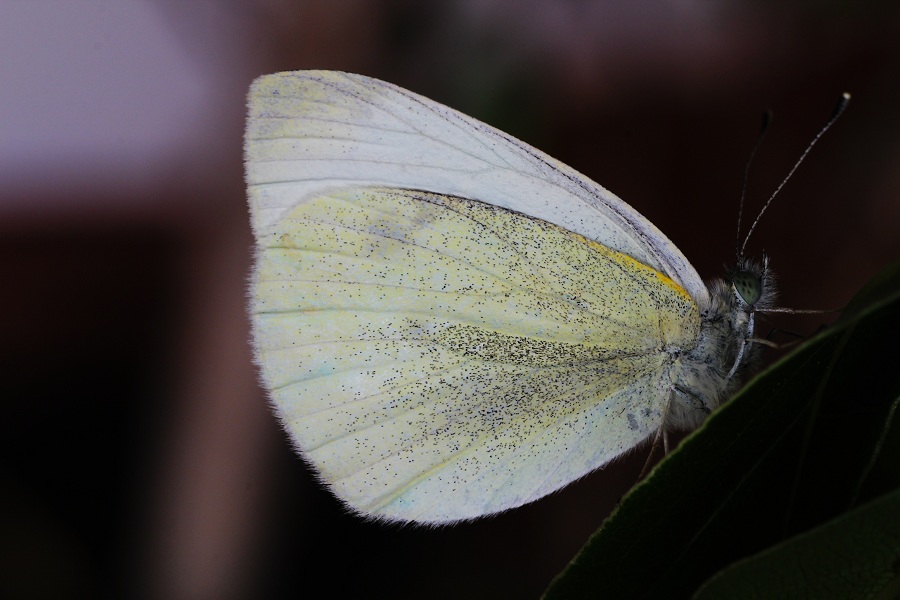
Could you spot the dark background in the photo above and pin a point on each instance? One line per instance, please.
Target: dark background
(139, 457)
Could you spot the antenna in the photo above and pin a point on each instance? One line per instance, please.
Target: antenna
(767, 120)
(838, 110)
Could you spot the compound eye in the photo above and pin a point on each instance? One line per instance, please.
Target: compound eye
(748, 287)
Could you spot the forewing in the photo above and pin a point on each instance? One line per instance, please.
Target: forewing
(310, 131)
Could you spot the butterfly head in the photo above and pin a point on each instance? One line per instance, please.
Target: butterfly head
(752, 284)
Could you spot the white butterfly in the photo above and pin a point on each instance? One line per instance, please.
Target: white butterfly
(451, 323)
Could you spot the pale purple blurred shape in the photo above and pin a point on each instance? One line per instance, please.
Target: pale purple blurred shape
(95, 92)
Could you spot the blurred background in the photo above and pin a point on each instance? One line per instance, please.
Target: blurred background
(139, 457)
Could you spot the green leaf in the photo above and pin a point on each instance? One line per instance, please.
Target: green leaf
(853, 556)
(807, 440)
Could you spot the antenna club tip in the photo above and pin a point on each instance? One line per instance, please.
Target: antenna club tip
(841, 105)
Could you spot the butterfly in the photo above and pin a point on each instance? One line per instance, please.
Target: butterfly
(450, 323)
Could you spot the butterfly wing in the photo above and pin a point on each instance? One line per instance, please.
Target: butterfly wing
(438, 359)
(309, 131)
